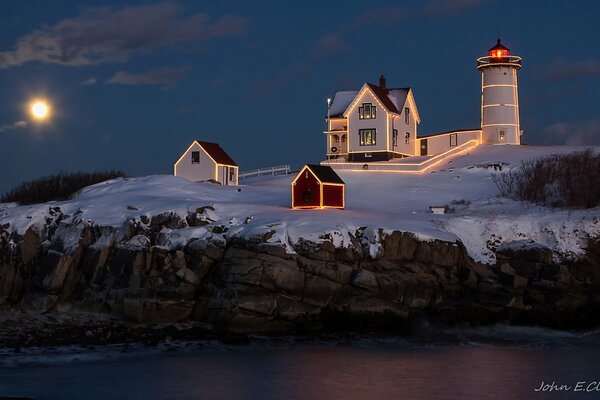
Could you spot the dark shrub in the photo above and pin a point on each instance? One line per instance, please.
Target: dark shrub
(56, 187)
(567, 180)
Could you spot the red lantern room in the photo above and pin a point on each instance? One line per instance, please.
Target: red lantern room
(499, 53)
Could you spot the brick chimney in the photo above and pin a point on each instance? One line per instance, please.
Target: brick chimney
(382, 81)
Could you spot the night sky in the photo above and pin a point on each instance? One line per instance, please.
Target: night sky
(132, 84)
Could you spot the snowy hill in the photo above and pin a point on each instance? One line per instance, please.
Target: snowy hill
(388, 201)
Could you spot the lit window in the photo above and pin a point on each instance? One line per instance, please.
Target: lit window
(453, 140)
(195, 157)
(502, 136)
(406, 115)
(395, 138)
(407, 138)
(367, 111)
(367, 137)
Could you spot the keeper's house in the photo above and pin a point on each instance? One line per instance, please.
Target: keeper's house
(205, 161)
(317, 186)
(377, 125)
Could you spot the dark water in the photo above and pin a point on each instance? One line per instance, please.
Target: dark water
(498, 363)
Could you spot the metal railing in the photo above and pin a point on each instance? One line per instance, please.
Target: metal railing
(278, 170)
(512, 61)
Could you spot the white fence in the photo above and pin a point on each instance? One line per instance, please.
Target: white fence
(278, 170)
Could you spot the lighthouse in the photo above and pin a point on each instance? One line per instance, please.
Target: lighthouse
(499, 96)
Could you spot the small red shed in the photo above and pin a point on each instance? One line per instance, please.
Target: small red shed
(317, 186)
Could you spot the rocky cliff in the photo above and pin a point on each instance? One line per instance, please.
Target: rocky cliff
(251, 285)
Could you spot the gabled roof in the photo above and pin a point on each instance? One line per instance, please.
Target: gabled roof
(499, 46)
(341, 101)
(217, 153)
(392, 99)
(325, 173)
(383, 96)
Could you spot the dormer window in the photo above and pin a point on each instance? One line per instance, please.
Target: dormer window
(367, 111)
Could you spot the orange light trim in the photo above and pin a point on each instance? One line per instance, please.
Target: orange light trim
(410, 98)
(359, 96)
(387, 132)
(321, 184)
(180, 158)
(300, 174)
(195, 142)
(465, 147)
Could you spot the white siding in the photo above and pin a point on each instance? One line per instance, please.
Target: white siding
(440, 143)
(500, 105)
(225, 177)
(202, 171)
(403, 128)
(379, 123)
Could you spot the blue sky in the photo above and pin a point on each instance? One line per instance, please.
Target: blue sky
(131, 84)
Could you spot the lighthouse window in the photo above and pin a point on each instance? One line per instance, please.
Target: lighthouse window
(367, 111)
(502, 136)
(406, 115)
(195, 157)
(367, 137)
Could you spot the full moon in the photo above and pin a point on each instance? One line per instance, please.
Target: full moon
(39, 109)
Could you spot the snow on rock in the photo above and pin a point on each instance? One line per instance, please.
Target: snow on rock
(375, 204)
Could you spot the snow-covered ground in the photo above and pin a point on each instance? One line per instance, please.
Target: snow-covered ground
(391, 201)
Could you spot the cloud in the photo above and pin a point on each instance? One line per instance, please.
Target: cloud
(391, 15)
(332, 43)
(108, 34)
(89, 82)
(573, 134)
(385, 16)
(293, 73)
(561, 69)
(167, 78)
(14, 125)
(451, 8)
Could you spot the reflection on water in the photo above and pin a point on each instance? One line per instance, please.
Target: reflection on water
(365, 369)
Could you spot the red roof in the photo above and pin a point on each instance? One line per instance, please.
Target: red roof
(499, 46)
(217, 153)
(382, 95)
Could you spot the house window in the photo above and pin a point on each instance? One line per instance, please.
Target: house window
(367, 137)
(231, 174)
(407, 138)
(453, 140)
(406, 115)
(502, 136)
(195, 157)
(395, 138)
(367, 111)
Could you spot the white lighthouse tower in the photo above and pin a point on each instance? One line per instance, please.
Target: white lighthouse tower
(499, 96)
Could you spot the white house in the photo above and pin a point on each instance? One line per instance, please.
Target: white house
(203, 161)
(372, 124)
(379, 124)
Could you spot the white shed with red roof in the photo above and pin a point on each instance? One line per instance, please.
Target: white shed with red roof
(206, 161)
